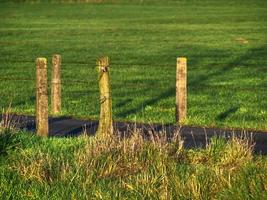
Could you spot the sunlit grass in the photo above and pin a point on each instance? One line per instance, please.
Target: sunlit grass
(224, 41)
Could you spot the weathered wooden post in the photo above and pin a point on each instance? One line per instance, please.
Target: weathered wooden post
(41, 97)
(105, 127)
(181, 90)
(56, 85)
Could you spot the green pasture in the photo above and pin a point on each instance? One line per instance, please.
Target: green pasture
(225, 42)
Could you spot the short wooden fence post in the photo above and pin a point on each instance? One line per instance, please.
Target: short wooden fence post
(181, 90)
(105, 127)
(41, 97)
(56, 85)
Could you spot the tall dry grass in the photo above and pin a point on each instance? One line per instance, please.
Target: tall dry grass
(138, 168)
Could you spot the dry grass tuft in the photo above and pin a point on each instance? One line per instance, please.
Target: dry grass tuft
(156, 167)
(7, 122)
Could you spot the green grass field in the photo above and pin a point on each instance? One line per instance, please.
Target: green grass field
(225, 43)
(83, 167)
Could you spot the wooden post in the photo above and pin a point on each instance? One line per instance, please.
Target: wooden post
(105, 127)
(181, 90)
(41, 97)
(56, 85)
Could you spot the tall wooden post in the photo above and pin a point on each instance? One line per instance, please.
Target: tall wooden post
(181, 90)
(41, 97)
(105, 127)
(56, 85)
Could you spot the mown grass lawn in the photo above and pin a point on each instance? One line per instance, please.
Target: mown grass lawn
(99, 168)
(224, 41)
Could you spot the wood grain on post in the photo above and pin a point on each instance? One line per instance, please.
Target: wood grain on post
(41, 97)
(181, 90)
(105, 127)
(56, 85)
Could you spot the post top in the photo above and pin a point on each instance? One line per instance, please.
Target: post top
(56, 56)
(41, 60)
(182, 59)
(103, 61)
(56, 59)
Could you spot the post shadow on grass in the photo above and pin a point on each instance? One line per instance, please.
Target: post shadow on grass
(255, 54)
(222, 116)
(168, 93)
(123, 103)
(30, 100)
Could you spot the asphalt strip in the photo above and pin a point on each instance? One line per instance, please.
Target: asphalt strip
(194, 137)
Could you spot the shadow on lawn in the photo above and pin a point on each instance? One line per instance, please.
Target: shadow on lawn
(30, 100)
(255, 54)
(225, 114)
(168, 93)
(193, 84)
(124, 102)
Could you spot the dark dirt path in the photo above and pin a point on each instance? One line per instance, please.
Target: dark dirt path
(193, 136)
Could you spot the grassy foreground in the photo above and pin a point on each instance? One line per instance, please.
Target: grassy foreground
(93, 168)
(224, 41)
